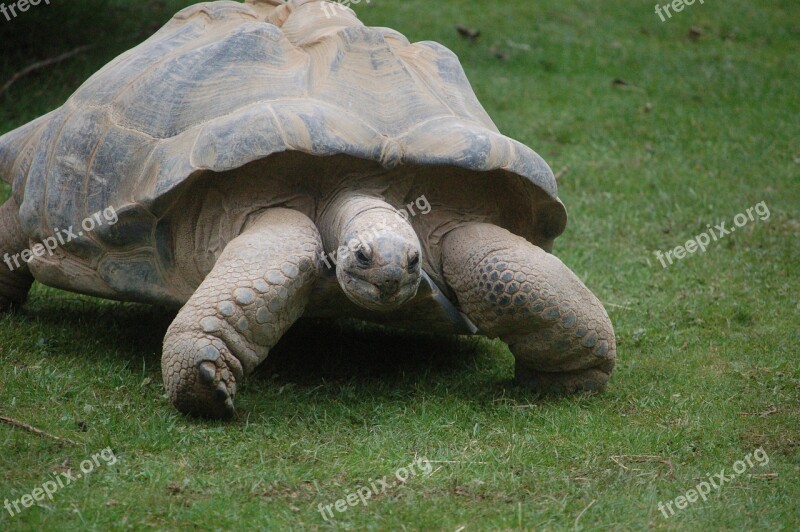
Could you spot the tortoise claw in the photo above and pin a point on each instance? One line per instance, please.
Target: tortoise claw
(222, 393)
(200, 376)
(207, 372)
(216, 390)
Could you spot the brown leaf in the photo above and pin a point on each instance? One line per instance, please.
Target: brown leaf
(624, 84)
(694, 33)
(499, 53)
(469, 33)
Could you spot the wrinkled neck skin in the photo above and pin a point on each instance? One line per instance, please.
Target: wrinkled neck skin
(355, 215)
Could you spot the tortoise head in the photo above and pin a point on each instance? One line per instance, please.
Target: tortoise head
(378, 260)
(379, 268)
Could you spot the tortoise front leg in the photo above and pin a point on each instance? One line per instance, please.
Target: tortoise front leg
(15, 278)
(257, 289)
(557, 330)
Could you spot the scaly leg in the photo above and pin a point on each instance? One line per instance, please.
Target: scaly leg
(257, 289)
(15, 278)
(557, 330)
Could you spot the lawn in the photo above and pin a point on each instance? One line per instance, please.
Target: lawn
(661, 129)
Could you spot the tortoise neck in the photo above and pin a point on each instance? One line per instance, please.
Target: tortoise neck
(350, 213)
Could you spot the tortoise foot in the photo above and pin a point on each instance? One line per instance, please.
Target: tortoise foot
(258, 288)
(558, 331)
(200, 375)
(15, 279)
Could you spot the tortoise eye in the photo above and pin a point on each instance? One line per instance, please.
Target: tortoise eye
(413, 262)
(362, 258)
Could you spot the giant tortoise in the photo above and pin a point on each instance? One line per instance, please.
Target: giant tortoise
(269, 161)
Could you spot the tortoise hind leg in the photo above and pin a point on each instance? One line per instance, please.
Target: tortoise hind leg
(557, 330)
(15, 278)
(258, 288)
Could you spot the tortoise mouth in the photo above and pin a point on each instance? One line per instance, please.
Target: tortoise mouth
(373, 297)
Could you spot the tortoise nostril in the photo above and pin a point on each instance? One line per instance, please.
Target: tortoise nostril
(389, 287)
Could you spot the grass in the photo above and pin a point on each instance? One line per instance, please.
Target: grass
(697, 130)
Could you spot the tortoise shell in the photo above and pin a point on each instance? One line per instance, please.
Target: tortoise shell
(224, 85)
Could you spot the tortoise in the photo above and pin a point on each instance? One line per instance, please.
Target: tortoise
(263, 162)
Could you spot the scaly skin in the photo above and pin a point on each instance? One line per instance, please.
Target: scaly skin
(14, 284)
(257, 289)
(557, 330)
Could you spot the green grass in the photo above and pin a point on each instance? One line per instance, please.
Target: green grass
(703, 344)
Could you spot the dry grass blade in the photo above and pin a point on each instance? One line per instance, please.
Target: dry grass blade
(41, 64)
(640, 459)
(34, 430)
(771, 410)
(768, 476)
